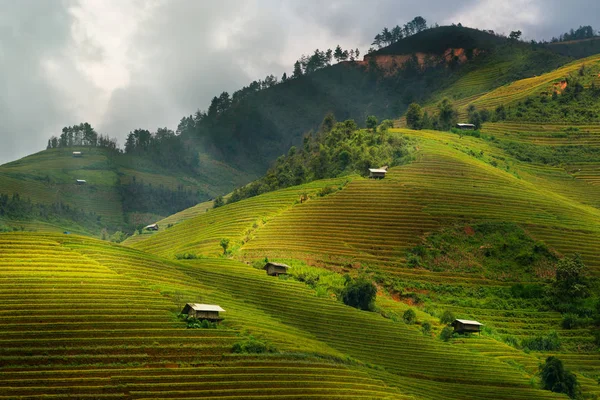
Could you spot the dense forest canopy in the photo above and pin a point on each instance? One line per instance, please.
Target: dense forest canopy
(24, 209)
(583, 32)
(81, 135)
(337, 149)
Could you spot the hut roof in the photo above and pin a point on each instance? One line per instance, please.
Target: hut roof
(468, 322)
(76, 152)
(276, 265)
(205, 307)
(462, 125)
(81, 180)
(378, 170)
(151, 226)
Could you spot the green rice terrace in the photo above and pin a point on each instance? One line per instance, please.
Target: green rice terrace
(372, 227)
(88, 319)
(468, 228)
(467, 270)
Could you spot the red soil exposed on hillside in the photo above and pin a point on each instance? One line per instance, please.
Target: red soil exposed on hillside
(560, 86)
(391, 63)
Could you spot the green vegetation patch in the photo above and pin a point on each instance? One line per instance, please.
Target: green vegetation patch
(498, 250)
(338, 149)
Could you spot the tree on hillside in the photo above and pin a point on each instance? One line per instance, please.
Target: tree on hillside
(420, 24)
(130, 143)
(328, 123)
(224, 244)
(414, 116)
(556, 379)
(448, 115)
(351, 54)
(409, 317)
(475, 117)
(297, 70)
(387, 37)
(583, 32)
(372, 122)
(515, 35)
(572, 281)
(397, 33)
(338, 53)
(219, 202)
(360, 293)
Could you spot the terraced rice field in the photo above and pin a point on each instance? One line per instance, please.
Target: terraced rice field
(374, 222)
(553, 135)
(475, 82)
(237, 222)
(546, 134)
(73, 325)
(521, 89)
(87, 319)
(49, 177)
(166, 223)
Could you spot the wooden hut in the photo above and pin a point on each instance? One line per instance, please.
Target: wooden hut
(209, 312)
(378, 173)
(151, 227)
(466, 127)
(276, 269)
(77, 154)
(466, 326)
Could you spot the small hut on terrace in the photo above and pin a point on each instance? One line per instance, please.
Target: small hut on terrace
(466, 326)
(378, 173)
(209, 312)
(466, 127)
(81, 181)
(276, 269)
(151, 227)
(77, 154)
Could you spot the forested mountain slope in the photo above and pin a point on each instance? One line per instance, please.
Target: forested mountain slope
(256, 127)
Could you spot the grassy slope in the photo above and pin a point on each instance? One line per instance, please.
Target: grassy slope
(49, 176)
(370, 224)
(477, 85)
(105, 326)
(521, 89)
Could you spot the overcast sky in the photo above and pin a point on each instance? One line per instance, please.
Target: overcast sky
(126, 64)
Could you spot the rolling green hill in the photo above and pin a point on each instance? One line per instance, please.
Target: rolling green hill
(466, 224)
(105, 326)
(121, 191)
(369, 227)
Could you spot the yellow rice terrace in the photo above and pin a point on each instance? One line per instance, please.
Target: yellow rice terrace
(416, 220)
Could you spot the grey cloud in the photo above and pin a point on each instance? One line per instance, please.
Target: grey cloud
(31, 32)
(559, 16)
(178, 63)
